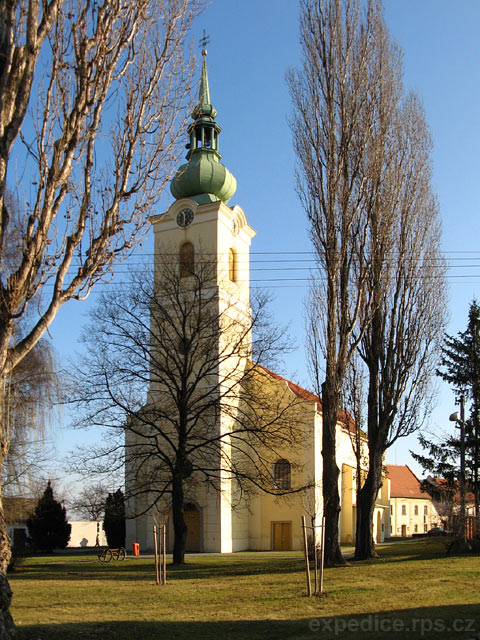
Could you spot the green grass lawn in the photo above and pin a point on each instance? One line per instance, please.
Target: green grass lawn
(413, 591)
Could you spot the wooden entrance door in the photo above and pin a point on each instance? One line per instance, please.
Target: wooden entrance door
(192, 520)
(281, 536)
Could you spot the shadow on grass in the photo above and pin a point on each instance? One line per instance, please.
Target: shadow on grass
(66, 568)
(425, 549)
(439, 623)
(144, 569)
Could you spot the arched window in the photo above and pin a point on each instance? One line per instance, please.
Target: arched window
(232, 265)
(282, 474)
(187, 260)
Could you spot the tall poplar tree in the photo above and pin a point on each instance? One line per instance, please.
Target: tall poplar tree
(335, 125)
(404, 316)
(364, 181)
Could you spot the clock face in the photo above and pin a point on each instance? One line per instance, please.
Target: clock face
(185, 217)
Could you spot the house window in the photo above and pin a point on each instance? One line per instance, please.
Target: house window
(404, 509)
(416, 509)
(282, 474)
(416, 528)
(187, 260)
(232, 265)
(425, 528)
(425, 509)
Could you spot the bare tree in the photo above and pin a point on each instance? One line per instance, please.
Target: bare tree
(407, 300)
(90, 502)
(445, 496)
(333, 126)
(91, 94)
(173, 369)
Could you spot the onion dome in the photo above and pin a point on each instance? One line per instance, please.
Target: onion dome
(203, 178)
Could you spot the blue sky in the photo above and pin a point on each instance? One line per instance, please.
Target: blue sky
(252, 45)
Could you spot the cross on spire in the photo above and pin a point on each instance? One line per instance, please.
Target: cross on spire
(204, 40)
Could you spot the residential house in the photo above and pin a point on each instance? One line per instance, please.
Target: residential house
(412, 511)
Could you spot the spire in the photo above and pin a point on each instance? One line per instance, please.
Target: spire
(204, 93)
(204, 106)
(203, 178)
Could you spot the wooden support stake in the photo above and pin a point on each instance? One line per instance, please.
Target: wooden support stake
(160, 551)
(159, 546)
(164, 554)
(322, 554)
(157, 566)
(307, 564)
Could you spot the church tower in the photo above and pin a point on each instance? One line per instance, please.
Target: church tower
(200, 222)
(201, 226)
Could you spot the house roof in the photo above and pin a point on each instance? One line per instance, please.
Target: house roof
(443, 485)
(404, 483)
(17, 508)
(343, 416)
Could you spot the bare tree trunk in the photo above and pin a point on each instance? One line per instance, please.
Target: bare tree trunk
(366, 498)
(7, 627)
(5, 546)
(179, 525)
(331, 497)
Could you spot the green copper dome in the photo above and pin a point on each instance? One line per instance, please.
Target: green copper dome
(203, 178)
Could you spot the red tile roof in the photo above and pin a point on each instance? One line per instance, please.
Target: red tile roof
(443, 484)
(404, 483)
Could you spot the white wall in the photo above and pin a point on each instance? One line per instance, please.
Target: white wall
(84, 534)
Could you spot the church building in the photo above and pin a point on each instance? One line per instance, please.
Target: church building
(200, 221)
